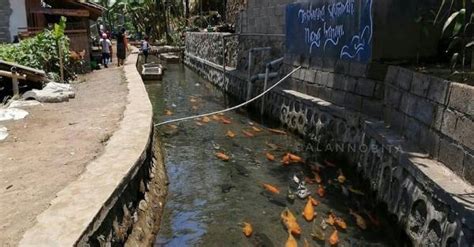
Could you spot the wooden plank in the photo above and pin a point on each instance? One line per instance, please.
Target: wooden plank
(64, 12)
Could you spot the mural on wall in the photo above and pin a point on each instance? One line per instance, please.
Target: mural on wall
(335, 29)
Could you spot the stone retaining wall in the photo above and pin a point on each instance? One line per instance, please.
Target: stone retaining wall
(435, 114)
(345, 104)
(5, 12)
(120, 189)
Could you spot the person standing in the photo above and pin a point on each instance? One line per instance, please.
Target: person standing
(121, 46)
(145, 47)
(106, 49)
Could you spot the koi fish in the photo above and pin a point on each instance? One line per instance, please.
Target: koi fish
(270, 156)
(168, 113)
(230, 134)
(256, 129)
(333, 238)
(321, 191)
(225, 120)
(291, 241)
(290, 222)
(308, 212)
(215, 118)
(317, 178)
(248, 134)
(330, 220)
(340, 223)
(329, 164)
(285, 160)
(222, 156)
(194, 107)
(313, 201)
(295, 158)
(276, 131)
(271, 188)
(247, 229)
(357, 192)
(199, 123)
(341, 178)
(359, 219)
(206, 119)
(317, 232)
(291, 158)
(172, 126)
(192, 100)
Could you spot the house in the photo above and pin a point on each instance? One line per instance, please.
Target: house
(25, 18)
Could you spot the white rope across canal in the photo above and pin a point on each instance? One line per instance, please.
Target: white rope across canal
(231, 108)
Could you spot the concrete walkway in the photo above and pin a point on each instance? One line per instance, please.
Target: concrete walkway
(52, 146)
(84, 202)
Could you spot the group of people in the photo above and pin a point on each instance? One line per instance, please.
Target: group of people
(107, 51)
(122, 48)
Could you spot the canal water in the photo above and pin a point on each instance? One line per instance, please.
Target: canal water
(209, 199)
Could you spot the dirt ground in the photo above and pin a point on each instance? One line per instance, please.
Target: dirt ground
(52, 146)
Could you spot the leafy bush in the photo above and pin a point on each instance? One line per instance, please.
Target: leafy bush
(42, 51)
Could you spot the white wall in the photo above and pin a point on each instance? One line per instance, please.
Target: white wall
(18, 16)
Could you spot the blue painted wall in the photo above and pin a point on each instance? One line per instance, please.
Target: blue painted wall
(330, 29)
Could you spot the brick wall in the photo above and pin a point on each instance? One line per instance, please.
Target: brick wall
(435, 114)
(5, 12)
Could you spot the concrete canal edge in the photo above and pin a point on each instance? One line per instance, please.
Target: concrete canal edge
(119, 197)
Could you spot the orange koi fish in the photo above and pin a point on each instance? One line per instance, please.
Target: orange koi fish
(317, 178)
(230, 134)
(295, 158)
(256, 129)
(225, 120)
(359, 219)
(206, 119)
(285, 160)
(321, 191)
(199, 123)
(247, 229)
(340, 223)
(248, 134)
(291, 242)
(270, 156)
(215, 118)
(330, 220)
(271, 188)
(333, 238)
(168, 113)
(222, 156)
(290, 222)
(308, 212)
(275, 131)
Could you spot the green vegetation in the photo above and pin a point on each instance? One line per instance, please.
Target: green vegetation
(162, 20)
(458, 29)
(42, 51)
